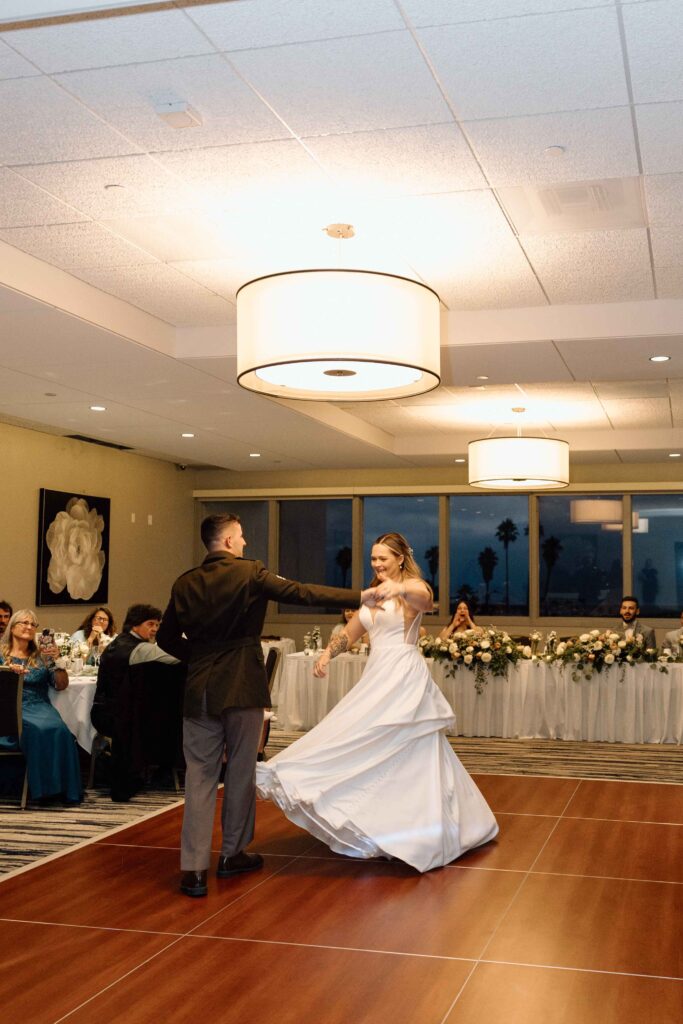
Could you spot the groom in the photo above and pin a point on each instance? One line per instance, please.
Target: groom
(214, 621)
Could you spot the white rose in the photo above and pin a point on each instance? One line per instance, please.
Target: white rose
(667, 651)
(508, 650)
(527, 652)
(595, 632)
(577, 657)
(74, 538)
(485, 644)
(486, 657)
(453, 649)
(561, 648)
(597, 646)
(613, 636)
(609, 658)
(584, 638)
(469, 650)
(83, 650)
(467, 659)
(621, 644)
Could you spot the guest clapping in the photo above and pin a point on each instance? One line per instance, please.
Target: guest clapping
(462, 621)
(93, 630)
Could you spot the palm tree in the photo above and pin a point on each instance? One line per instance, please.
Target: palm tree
(551, 549)
(488, 560)
(343, 560)
(432, 559)
(507, 533)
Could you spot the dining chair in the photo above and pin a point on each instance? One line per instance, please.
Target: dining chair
(272, 662)
(11, 693)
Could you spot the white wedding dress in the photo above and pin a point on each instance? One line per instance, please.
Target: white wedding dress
(377, 777)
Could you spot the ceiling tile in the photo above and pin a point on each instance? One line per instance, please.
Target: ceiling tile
(22, 204)
(125, 98)
(502, 364)
(144, 187)
(638, 412)
(260, 23)
(653, 38)
(531, 65)
(669, 282)
(660, 130)
(597, 144)
(19, 388)
(75, 245)
(452, 12)
(646, 455)
(664, 196)
(667, 244)
(346, 85)
(579, 458)
(173, 236)
(281, 169)
(14, 66)
(223, 277)
(592, 266)
(101, 42)
(402, 161)
(39, 123)
(632, 389)
(163, 292)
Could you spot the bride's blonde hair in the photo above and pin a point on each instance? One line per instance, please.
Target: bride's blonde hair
(400, 547)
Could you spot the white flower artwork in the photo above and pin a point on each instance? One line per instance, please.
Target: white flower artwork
(74, 539)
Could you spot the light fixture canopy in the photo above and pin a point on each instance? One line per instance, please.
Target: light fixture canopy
(518, 463)
(338, 335)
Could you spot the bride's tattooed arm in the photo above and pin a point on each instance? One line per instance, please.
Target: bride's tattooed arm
(338, 644)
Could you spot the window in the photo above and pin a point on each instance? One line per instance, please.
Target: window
(254, 518)
(315, 545)
(580, 554)
(658, 553)
(489, 561)
(417, 518)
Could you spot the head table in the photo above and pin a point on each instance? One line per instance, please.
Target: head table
(74, 703)
(534, 700)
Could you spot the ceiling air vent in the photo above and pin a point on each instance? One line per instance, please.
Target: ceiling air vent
(104, 444)
(575, 206)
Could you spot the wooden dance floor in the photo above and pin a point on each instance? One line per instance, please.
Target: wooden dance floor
(573, 915)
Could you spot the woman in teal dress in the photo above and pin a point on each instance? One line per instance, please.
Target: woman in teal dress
(49, 747)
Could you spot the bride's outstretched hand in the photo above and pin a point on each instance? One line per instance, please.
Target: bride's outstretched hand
(320, 667)
(369, 597)
(388, 589)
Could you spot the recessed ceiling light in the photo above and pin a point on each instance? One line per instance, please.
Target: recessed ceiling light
(458, 460)
(254, 455)
(482, 377)
(660, 359)
(187, 435)
(98, 408)
(113, 185)
(554, 150)
(674, 455)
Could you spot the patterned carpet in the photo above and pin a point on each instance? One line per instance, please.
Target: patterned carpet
(646, 762)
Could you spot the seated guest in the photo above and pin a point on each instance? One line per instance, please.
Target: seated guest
(630, 625)
(5, 615)
(460, 623)
(49, 747)
(120, 708)
(346, 616)
(674, 639)
(94, 627)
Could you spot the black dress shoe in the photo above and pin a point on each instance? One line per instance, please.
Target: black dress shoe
(193, 883)
(238, 864)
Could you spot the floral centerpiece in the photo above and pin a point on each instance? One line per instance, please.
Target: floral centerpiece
(481, 651)
(313, 640)
(595, 651)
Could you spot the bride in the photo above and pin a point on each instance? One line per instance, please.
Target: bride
(377, 776)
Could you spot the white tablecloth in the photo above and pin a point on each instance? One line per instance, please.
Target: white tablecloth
(286, 646)
(534, 700)
(74, 706)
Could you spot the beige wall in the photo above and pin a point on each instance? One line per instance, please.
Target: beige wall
(143, 560)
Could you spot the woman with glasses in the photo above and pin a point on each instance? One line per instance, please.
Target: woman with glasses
(96, 630)
(49, 747)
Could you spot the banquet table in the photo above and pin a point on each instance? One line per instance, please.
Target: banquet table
(534, 700)
(74, 703)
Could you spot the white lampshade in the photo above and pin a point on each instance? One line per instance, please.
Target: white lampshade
(337, 335)
(639, 524)
(596, 510)
(519, 463)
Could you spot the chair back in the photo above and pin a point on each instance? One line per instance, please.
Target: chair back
(272, 662)
(11, 692)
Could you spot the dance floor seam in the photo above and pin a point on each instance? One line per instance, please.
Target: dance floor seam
(558, 920)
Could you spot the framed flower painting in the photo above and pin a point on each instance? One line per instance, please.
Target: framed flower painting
(73, 548)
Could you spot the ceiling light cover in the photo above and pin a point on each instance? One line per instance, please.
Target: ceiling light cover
(518, 463)
(596, 510)
(337, 335)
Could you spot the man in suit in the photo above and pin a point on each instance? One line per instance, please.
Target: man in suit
(214, 620)
(630, 625)
(674, 639)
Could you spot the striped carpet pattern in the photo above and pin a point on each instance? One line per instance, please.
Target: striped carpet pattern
(28, 836)
(643, 762)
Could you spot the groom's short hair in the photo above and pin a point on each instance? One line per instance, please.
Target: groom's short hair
(213, 526)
